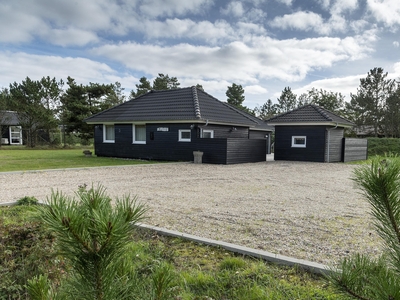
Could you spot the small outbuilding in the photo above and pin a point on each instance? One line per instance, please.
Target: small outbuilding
(185, 124)
(10, 129)
(312, 133)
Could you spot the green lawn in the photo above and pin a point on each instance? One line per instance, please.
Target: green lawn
(22, 159)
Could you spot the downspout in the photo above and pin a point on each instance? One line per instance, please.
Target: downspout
(201, 128)
(329, 139)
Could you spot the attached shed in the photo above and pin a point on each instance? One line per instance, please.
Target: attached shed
(309, 133)
(172, 124)
(10, 129)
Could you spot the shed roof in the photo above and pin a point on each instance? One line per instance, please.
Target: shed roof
(310, 114)
(9, 118)
(178, 105)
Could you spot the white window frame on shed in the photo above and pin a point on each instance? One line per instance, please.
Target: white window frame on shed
(296, 139)
(185, 139)
(15, 135)
(139, 138)
(207, 132)
(106, 138)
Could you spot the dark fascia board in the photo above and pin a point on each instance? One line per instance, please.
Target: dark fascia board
(195, 121)
(334, 124)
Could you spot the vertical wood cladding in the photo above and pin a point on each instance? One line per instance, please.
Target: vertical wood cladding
(315, 143)
(163, 144)
(334, 153)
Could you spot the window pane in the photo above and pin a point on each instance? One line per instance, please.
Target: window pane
(299, 141)
(110, 133)
(208, 134)
(140, 133)
(185, 134)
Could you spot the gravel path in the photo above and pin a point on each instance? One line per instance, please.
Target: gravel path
(304, 210)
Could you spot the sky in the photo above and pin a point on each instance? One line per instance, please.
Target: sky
(263, 45)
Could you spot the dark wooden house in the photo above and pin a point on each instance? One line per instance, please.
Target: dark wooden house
(309, 133)
(172, 124)
(10, 129)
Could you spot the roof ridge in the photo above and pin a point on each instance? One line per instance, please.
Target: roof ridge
(196, 103)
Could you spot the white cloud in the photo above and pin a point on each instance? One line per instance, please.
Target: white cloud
(396, 68)
(344, 85)
(234, 9)
(386, 11)
(20, 65)
(324, 3)
(157, 8)
(396, 44)
(261, 57)
(18, 26)
(299, 20)
(341, 6)
(70, 36)
(255, 90)
(309, 21)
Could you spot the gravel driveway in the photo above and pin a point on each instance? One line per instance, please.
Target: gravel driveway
(304, 210)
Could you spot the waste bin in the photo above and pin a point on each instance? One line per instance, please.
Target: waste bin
(198, 157)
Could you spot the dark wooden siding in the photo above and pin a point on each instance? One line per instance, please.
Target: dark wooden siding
(334, 153)
(255, 134)
(355, 149)
(164, 145)
(225, 132)
(315, 144)
(246, 150)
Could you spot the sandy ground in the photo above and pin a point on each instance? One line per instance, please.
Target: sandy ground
(311, 211)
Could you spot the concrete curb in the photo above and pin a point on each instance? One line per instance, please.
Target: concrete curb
(265, 255)
(8, 203)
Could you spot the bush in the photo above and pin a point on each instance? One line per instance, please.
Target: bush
(27, 201)
(382, 146)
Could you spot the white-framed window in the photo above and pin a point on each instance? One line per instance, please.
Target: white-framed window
(184, 135)
(108, 133)
(139, 134)
(207, 134)
(299, 141)
(15, 135)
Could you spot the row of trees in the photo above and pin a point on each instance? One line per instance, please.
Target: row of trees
(44, 104)
(376, 103)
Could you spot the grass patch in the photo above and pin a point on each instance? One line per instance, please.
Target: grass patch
(17, 159)
(165, 267)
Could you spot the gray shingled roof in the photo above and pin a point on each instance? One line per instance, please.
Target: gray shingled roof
(179, 105)
(9, 118)
(307, 114)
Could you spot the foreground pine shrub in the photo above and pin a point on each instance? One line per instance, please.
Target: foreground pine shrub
(361, 276)
(93, 236)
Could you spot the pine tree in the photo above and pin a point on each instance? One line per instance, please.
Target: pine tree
(93, 235)
(360, 275)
